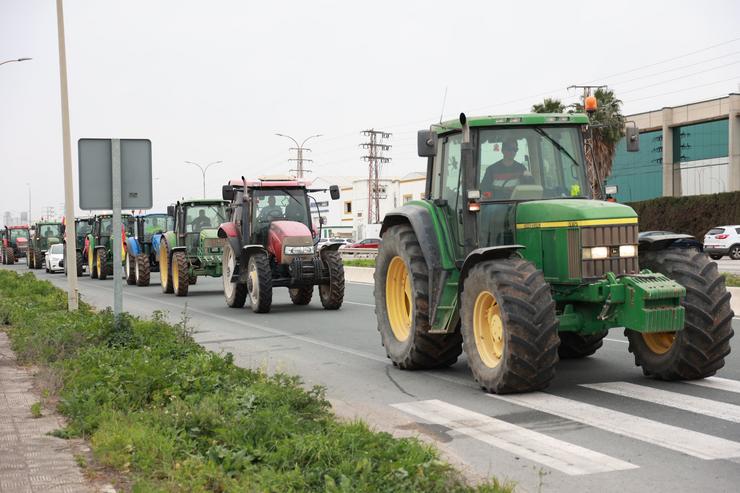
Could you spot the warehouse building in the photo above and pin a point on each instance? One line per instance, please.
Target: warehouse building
(692, 149)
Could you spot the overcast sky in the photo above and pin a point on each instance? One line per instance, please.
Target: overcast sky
(214, 80)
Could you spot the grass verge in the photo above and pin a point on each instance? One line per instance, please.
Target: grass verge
(360, 262)
(172, 416)
(732, 280)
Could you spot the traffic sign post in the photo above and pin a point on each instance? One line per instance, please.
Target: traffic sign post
(115, 174)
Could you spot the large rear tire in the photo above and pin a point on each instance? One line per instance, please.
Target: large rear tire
(509, 327)
(259, 283)
(143, 274)
(79, 262)
(38, 259)
(698, 350)
(4, 253)
(101, 263)
(234, 292)
(91, 266)
(180, 277)
(130, 269)
(402, 305)
(302, 295)
(332, 294)
(573, 345)
(165, 272)
(29, 258)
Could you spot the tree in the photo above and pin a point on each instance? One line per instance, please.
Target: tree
(608, 129)
(549, 105)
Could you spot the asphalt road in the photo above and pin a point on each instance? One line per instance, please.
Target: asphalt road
(726, 265)
(601, 426)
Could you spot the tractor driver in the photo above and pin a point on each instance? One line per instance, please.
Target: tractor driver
(270, 211)
(200, 222)
(504, 174)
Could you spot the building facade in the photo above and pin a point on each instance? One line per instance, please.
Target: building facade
(692, 149)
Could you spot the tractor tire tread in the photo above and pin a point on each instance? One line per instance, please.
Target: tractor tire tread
(332, 294)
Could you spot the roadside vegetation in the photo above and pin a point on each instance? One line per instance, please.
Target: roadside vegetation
(360, 262)
(732, 280)
(169, 415)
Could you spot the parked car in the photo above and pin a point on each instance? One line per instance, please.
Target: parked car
(325, 241)
(54, 258)
(723, 240)
(366, 243)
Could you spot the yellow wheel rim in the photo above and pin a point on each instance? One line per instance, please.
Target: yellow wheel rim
(99, 265)
(163, 265)
(659, 342)
(488, 329)
(90, 261)
(175, 274)
(399, 298)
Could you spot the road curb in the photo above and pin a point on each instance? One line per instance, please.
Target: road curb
(735, 300)
(362, 275)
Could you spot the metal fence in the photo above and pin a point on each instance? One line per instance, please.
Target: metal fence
(357, 253)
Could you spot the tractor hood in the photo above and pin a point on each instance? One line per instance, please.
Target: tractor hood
(290, 234)
(208, 233)
(570, 212)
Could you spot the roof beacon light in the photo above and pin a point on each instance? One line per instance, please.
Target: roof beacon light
(590, 104)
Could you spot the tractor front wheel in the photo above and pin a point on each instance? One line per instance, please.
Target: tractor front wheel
(259, 282)
(699, 349)
(101, 263)
(143, 273)
(509, 327)
(180, 274)
(332, 294)
(29, 258)
(91, 267)
(165, 272)
(130, 269)
(715, 256)
(402, 305)
(38, 259)
(573, 345)
(234, 292)
(79, 262)
(302, 295)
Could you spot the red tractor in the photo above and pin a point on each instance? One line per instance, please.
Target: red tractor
(271, 242)
(14, 243)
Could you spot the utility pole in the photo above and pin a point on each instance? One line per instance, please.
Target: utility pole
(300, 149)
(592, 172)
(374, 157)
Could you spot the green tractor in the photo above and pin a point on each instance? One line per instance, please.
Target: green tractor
(99, 248)
(83, 227)
(46, 233)
(510, 260)
(193, 248)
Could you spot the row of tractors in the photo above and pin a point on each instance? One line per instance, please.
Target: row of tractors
(258, 236)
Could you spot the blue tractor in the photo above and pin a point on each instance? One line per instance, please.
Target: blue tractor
(142, 249)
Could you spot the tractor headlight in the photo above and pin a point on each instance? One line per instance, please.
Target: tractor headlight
(299, 250)
(595, 253)
(627, 251)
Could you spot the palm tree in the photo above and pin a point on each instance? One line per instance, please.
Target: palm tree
(549, 105)
(608, 129)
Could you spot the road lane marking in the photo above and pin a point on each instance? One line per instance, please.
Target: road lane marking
(563, 456)
(621, 341)
(717, 383)
(699, 405)
(357, 303)
(672, 437)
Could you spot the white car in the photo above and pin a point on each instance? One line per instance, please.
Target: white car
(54, 256)
(723, 240)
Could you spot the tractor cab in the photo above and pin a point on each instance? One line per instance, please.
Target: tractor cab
(152, 224)
(44, 235)
(82, 229)
(13, 243)
(195, 224)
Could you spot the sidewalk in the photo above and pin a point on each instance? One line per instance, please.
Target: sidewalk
(30, 460)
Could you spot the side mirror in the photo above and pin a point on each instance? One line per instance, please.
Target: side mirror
(171, 210)
(632, 136)
(227, 192)
(334, 192)
(426, 143)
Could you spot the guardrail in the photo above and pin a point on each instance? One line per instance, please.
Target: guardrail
(356, 253)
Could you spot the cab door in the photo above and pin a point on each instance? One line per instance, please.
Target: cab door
(447, 189)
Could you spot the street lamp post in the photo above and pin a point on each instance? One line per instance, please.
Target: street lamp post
(299, 148)
(203, 170)
(16, 60)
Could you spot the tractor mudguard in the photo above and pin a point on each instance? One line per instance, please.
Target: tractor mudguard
(246, 252)
(660, 240)
(331, 246)
(132, 246)
(487, 253)
(156, 240)
(228, 230)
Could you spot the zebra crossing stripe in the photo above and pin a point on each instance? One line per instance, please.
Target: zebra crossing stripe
(671, 437)
(707, 407)
(717, 383)
(537, 447)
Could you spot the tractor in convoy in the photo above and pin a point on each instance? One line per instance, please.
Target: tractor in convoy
(83, 227)
(99, 247)
(142, 249)
(192, 248)
(46, 233)
(509, 259)
(270, 242)
(14, 244)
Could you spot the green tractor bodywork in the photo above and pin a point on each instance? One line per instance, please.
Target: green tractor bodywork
(83, 227)
(193, 248)
(99, 248)
(45, 234)
(518, 266)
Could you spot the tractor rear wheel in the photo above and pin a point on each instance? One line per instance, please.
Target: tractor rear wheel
(573, 345)
(11, 256)
(259, 282)
(302, 295)
(509, 327)
(101, 263)
(698, 350)
(143, 273)
(91, 267)
(79, 262)
(402, 306)
(4, 253)
(29, 258)
(332, 294)
(165, 272)
(38, 259)
(180, 274)
(234, 292)
(130, 269)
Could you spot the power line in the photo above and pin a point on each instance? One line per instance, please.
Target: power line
(737, 77)
(374, 157)
(678, 78)
(677, 68)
